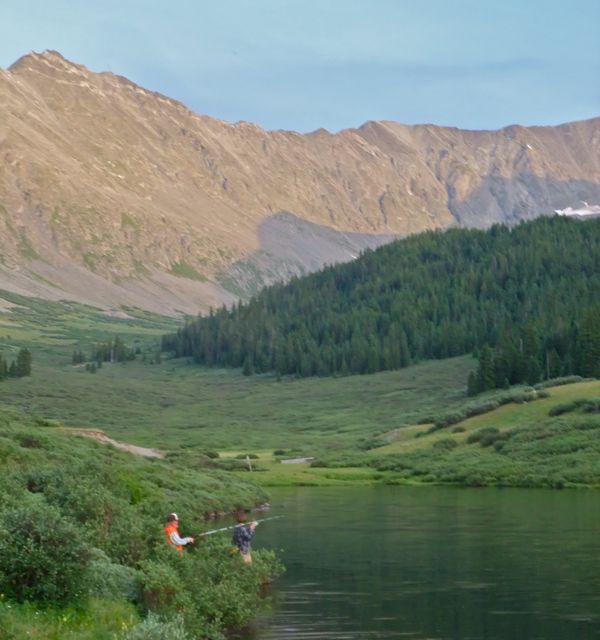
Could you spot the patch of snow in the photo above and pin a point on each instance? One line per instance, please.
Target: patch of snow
(585, 210)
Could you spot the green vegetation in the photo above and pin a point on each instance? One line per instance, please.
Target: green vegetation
(485, 405)
(528, 290)
(573, 348)
(180, 408)
(355, 426)
(80, 533)
(185, 270)
(529, 443)
(18, 368)
(25, 247)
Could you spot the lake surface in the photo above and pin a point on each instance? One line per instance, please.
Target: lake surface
(434, 563)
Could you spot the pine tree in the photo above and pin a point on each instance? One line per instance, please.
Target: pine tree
(486, 378)
(590, 344)
(23, 365)
(472, 385)
(248, 368)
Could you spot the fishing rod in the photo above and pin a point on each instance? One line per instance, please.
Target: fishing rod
(209, 533)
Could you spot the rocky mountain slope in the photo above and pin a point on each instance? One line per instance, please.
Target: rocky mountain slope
(115, 195)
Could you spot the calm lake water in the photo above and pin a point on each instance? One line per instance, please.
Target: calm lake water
(435, 563)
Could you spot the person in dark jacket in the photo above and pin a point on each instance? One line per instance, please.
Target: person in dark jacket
(242, 535)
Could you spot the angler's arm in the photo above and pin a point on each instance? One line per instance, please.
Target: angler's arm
(247, 533)
(177, 541)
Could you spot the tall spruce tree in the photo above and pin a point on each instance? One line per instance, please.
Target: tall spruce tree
(23, 366)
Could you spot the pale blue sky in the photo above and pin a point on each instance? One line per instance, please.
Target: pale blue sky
(304, 64)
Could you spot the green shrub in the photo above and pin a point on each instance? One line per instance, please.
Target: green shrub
(477, 436)
(209, 587)
(31, 441)
(567, 407)
(43, 556)
(445, 444)
(556, 382)
(591, 406)
(371, 443)
(153, 628)
(447, 420)
(492, 438)
(107, 579)
(222, 589)
(459, 429)
(233, 464)
(161, 588)
(279, 452)
(243, 456)
(47, 422)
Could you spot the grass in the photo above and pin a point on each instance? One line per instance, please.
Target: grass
(185, 409)
(185, 270)
(416, 448)
(510, 416)
(173, 404)
(93, 620)
(514, 445)
(267, 470)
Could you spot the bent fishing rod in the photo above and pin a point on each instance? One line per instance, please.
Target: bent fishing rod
(240, 524)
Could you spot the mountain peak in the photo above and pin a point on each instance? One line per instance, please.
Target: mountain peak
(105, 184)
(48, 59)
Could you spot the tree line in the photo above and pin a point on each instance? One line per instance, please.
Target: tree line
(18, 368)
(522, 291)
(529, 357)
(113, 350)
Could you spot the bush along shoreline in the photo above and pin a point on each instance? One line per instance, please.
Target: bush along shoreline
(82, 551)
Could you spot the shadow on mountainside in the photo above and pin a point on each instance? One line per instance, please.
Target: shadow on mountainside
(510, 200)
(290, 246)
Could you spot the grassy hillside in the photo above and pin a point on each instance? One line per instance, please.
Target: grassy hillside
(81, 547)
(550, 441)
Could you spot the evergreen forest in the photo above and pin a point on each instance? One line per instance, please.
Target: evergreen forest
(523, 298)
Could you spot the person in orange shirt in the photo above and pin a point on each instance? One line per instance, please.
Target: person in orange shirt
(172, 533)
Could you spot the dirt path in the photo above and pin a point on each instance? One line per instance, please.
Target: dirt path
(100, 436)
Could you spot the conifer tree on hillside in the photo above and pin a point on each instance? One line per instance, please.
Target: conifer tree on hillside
(23, 364)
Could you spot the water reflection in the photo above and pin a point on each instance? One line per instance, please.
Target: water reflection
(434, 563)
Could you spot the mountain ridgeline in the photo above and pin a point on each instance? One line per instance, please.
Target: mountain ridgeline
(112, 194)
(529, 293)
